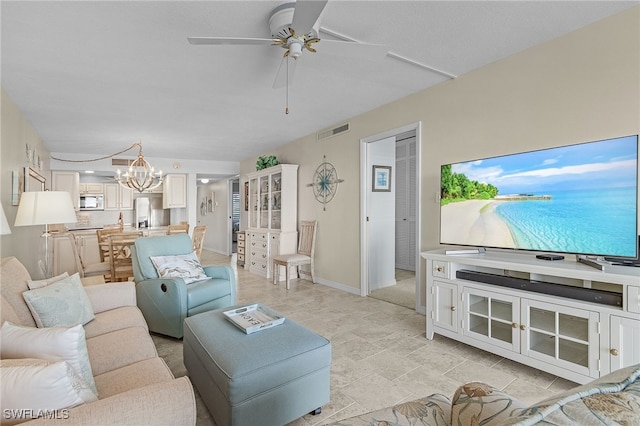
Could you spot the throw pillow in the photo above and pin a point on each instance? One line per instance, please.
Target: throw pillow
(64, 303)
(32, 388)
(54, 343)
(185, 266)
(43, 283)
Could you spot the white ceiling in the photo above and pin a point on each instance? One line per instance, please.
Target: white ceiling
(92, 77)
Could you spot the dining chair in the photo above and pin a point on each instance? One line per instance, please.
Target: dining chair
(198, 239)
(103, 241)
(87, 270)
(182, 228)
(304, 255)
(120, 255)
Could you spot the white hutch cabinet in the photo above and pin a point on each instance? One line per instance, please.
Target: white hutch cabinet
(575, 336)
(273, 209)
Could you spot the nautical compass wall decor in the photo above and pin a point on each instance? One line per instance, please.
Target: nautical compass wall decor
(325, 182)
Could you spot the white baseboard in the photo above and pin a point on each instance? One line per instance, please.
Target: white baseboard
(338, 286)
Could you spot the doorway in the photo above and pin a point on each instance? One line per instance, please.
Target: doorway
(389, 225)
(234, 214)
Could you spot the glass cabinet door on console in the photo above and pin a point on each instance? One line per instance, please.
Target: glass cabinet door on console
(492, 318)
(564, 336)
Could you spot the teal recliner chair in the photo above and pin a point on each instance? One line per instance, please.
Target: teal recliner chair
(166, 302)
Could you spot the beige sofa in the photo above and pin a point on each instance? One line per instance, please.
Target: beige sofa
(135, 386)
(613, 399)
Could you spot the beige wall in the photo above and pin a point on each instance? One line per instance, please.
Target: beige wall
(581, 87)
(24, 242)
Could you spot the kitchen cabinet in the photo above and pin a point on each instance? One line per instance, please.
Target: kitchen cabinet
(67, 181)
(63, 258)
(116, 197)
(174, 191)
(91, 188)
(509, 304)
(273, 206)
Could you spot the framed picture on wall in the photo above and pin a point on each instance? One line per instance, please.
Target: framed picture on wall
(381, 179)
(33, 181)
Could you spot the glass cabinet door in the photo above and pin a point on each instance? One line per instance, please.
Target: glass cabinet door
(264, 202)
(276, 200)
(254, 203)
(492, 317)
(561, 335)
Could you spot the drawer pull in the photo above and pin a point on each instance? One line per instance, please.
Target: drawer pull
(614, 352)
(453, 308)
(439, 269)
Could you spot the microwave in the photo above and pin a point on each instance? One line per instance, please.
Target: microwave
(92, 202)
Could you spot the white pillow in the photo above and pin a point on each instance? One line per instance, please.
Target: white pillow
(64, 303)
(53, 343)
(43, 283)
(185, 266)
(33, 387)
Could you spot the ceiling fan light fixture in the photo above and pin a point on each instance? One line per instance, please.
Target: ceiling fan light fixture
(295, 48)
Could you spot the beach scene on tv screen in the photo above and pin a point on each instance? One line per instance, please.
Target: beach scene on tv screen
(573, 199)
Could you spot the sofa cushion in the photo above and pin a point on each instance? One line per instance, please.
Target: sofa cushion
(136, 375)
(113, 320)
(53, 343)
(45, 282)
(63, 303)
(31, 385)
(119, 348)
(613, 399)
(185, 266)
(14, 282)
(478, 403)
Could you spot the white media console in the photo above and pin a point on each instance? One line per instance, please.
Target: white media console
(562, 317)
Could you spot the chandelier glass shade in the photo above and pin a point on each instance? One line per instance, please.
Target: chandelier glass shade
(140, 176)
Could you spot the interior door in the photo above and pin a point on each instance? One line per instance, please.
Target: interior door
(381, 217)
(406, 163)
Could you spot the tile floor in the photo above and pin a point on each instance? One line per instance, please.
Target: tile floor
(380, 353)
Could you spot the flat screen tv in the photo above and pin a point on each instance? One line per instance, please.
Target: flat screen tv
(578, 199)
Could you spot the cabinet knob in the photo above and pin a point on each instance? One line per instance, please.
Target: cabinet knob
(614, 352)
(514, 325)
(522, 327)
(440, 269)
(453, 308)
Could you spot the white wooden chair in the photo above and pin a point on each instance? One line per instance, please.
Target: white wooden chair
(304, 256)
(91, 270)
(198, 239)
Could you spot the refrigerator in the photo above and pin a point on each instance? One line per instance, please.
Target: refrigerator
(148, 212)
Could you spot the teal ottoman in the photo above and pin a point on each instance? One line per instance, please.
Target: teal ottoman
(270, 377)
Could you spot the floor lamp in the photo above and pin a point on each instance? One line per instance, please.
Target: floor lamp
(45, 208)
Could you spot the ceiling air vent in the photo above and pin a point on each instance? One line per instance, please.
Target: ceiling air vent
(329, 133)
(121, 162)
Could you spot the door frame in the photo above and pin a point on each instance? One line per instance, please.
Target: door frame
(364, 240)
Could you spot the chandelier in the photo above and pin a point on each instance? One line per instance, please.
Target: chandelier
(140, 176)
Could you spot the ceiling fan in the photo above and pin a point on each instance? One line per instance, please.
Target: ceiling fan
(294, 27)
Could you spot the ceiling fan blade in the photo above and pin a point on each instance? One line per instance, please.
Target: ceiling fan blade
(306, 14)
(282, 77)
(230, 40)
(352, 50)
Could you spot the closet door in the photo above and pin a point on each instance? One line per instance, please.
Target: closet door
(406, 201)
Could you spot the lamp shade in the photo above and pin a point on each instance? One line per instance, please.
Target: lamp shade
(4, 225)
(45, 207)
